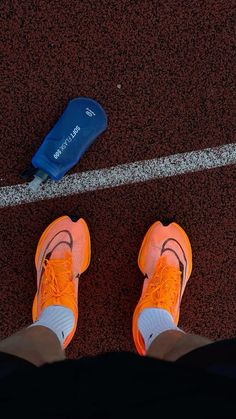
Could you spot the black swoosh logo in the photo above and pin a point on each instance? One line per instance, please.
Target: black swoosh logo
(181, 265)
(48, 254)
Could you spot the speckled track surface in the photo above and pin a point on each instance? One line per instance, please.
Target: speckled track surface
(173, 65)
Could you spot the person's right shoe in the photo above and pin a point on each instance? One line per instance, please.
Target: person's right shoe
(165, 258)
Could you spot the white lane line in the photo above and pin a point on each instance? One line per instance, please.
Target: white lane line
(136, 172)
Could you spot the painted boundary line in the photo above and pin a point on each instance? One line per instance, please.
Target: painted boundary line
(136, 172)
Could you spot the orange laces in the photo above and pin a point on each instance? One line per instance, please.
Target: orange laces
(58, 278)
(163, 287)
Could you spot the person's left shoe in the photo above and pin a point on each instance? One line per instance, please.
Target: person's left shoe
(62, 255)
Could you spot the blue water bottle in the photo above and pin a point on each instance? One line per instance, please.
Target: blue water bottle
(80, 124)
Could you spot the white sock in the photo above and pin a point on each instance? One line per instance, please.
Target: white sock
(152, 322)
(59, 319)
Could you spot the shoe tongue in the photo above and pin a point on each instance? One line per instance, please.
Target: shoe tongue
(166, 266)
(170, 258)
(61, 251)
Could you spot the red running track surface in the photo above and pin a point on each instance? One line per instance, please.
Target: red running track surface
(174, 62)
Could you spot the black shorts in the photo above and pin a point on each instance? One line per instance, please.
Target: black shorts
(123, 385)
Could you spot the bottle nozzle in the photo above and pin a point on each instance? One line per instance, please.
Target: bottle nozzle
(35, 183)
(39, 178)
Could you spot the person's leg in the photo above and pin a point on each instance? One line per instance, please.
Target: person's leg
(63, 253)
(38, 345)
(165, 258)
(172, 344)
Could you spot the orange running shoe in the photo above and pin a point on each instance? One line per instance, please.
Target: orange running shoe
(62, 255)
(165, 258)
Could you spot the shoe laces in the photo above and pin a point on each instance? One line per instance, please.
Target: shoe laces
(163, 288)
(58, 278)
